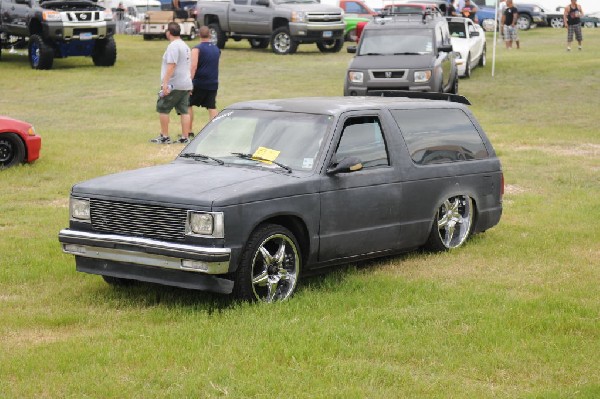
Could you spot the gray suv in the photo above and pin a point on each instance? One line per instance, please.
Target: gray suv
(410, 52)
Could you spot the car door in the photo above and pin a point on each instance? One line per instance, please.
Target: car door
(239, 15)
(475, 42)
(360, 210)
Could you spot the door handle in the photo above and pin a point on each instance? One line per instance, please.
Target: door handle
(251, 10)
(233, 9)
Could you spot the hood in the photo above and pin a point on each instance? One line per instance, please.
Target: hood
(194, 184)
(392, 61)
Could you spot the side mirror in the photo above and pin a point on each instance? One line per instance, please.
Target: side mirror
(445, 48)
(262, 3)
(351, 49)
(346, 165)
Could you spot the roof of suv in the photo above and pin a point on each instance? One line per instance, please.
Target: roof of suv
(337, 105)
(417, 20)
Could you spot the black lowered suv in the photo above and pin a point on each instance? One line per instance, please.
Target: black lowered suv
(403, 52)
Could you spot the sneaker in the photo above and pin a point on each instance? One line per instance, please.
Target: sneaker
(182, 140)
(579, 48)
(568, 48)
(161, 140)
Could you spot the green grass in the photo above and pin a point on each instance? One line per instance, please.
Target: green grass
(514, 313)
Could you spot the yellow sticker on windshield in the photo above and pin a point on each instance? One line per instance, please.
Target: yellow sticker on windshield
(265, 154)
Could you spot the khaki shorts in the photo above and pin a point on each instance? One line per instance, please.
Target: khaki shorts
(178, 99)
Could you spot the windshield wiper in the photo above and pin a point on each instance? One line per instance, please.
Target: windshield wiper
(408, 53)
(201, 157)
(253, 158)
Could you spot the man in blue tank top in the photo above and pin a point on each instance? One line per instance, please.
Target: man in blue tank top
(205, 75)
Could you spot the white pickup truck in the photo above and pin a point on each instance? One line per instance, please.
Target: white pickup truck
(282, 23)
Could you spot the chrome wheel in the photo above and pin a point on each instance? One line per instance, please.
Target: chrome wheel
(452, 224)
(282, 42)
(275, 268)
(557, 22)
(454, 221)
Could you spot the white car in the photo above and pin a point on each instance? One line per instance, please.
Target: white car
(468, 40)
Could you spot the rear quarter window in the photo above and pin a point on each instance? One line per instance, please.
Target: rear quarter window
(439, 135)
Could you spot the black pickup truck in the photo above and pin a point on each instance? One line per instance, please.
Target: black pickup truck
(58, 29)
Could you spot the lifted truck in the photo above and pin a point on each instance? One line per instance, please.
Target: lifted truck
(58, 29)
(156, 22)
(283, 23)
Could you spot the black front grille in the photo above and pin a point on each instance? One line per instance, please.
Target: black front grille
(149, 221)
(388, 74)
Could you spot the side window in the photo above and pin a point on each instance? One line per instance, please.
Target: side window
(362, 137)
(355, 8)
(241, 2)
(439, 135)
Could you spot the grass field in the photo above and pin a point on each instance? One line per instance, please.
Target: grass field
(514, 313)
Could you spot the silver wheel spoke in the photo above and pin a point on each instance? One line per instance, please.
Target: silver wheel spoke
(261, 279)
(272, 288)
(268, 259)
(279, 256)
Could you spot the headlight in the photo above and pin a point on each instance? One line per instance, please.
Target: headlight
(107, 15)
(80, 209)
(51, 16)
(205, 224)
(537, 9)
(422, 76)
(355, 77)
(298, 16)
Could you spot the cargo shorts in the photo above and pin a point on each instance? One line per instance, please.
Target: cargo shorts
(178, 99)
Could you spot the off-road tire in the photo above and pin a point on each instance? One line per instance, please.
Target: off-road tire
(282, 42)
(41, 54)
(105, 52)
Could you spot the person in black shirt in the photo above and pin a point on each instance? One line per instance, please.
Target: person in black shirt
(509, 25)
(469, 11)
(572, 18)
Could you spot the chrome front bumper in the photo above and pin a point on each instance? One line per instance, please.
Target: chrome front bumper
(148, 252)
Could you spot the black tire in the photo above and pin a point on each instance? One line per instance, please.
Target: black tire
(270, 265)
(483, 58)
(259, 43)
(41, 55)
(454, 89)
(330, 46)
(105, 52)
(457, 211)
(217, 35)
(524, 22)
(468, 67)
(282, 42)
(351, 36)
(117, 281)
(12, 150)
(147, 37)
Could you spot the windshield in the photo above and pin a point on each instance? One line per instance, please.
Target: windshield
(276, 140)
(396, 41)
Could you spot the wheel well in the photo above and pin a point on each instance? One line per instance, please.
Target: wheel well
(280, 22)
(297, 227)
(211, 19)
(35, 27)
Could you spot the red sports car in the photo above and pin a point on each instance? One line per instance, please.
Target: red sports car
(18, 142)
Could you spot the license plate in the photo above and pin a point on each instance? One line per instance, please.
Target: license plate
(327, 33)
(85, 36)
